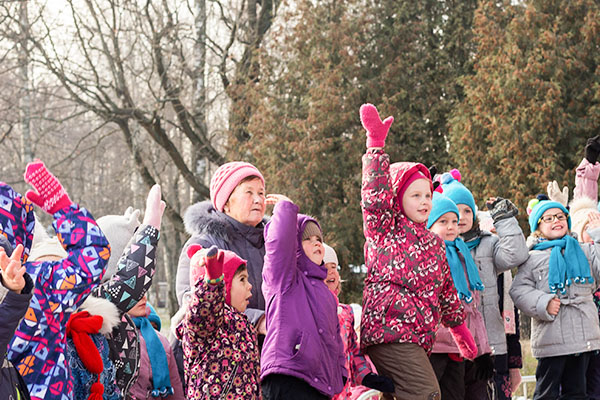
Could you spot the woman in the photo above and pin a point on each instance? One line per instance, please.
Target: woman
(233, 220)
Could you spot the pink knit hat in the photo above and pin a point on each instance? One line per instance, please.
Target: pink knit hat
(226, 178)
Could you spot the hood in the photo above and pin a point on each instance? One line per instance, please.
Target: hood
(533, 240)
(203, 219)
(17, 220)
(304, 263)
(104, 308)
(580, 210)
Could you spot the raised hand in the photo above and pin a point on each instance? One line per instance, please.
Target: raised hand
(377, 130)
(155, 207)
(13, 273)
(273, 199)
(592, 149)
(555, 194)
(501, 208)
(214, 262)
(49, 194)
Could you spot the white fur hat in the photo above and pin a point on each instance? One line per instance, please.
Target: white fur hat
(44, 245)
(580, 209)
(330, 255)
(118, 229)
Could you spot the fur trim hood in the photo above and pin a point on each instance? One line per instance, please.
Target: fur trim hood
(104, 308)
(203, 218)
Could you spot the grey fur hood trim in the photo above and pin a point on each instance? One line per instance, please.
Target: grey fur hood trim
(202, 218)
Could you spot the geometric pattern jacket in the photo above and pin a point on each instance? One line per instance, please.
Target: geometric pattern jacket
(39, 345)
(125, 289)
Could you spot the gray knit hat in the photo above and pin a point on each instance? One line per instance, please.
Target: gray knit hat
(311, 229)
(118, 229)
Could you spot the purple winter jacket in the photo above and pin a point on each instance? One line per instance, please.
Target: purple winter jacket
(303, 333)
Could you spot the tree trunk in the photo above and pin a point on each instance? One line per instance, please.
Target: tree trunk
(24, 95)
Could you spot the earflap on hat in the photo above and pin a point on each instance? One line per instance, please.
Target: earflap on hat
(119, 230)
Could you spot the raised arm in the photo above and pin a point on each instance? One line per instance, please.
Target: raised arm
(511, 249)
(279, 269)
(136, 265)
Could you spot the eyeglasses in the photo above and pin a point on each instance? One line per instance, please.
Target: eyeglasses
(550, 218)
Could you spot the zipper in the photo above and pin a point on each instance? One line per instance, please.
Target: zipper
(229, 383)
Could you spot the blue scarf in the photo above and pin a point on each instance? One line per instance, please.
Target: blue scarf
(471, 244)
(158, 358)
(457, 271)
(564, 269)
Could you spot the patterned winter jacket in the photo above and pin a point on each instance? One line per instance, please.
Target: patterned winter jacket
(357, 364)
(39, 345)
(125, 289)
(220, 349)
(408, 288)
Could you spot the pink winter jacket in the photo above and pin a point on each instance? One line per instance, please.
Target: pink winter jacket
(586, 180)
(142, 386)
(444, 343)
(408, 288)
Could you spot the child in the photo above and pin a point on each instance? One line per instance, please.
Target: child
(449, 367)
(361, 375)
(302, 356)
(408, 288)
(15, 292)
(219, 342)
(39, 345)
(493, 255)
(554, 287)
(157, 375)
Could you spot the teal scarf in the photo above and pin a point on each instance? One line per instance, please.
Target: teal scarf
(564, 269)
(457, 271)
(158, 357)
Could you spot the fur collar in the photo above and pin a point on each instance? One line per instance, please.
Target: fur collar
(104, 308)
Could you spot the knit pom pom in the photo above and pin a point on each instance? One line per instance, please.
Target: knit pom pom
(456, 174)
(439, 189)
(96, 391)
(532, 203)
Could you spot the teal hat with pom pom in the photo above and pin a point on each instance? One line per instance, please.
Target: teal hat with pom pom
(441, 205)
(537, 208)
(456, 191)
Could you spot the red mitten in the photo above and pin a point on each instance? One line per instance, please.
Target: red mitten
(49, 193)
(464, 340)
(214, 263)
(376, 129)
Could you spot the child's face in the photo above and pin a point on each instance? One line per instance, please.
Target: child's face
(553, 228)
(416, 201)
(139, 310)
(446, 226)
(313, 248)
(333, 278)
(241, 291)
(466, 218)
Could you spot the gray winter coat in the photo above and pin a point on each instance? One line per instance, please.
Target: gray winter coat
(575, 329)
(493, 256)
(210, 227)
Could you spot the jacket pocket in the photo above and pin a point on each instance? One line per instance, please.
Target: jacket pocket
(545, 333)
(298, 344)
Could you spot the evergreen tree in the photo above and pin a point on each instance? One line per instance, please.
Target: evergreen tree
(533, 100)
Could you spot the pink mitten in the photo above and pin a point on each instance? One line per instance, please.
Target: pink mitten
(214, 262)
(49, 193)
(464, 340)
(155, 207)
(376, 130)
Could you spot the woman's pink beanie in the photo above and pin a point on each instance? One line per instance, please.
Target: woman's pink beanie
(226, 178)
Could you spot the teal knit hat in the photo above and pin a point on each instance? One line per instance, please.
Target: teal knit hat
(440, 205)
(457, 191)
(538, 208)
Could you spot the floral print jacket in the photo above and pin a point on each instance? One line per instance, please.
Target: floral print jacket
(408, 288)
(220, 348)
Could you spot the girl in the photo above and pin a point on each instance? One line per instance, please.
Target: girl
(493, 254)
(408, 289)
(555, 288)
(219, 342)
(449, 367)
(302, 356)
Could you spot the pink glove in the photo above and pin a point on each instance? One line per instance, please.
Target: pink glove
(464, 340)
(214, 262)
(49, 193)
(376, 130)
